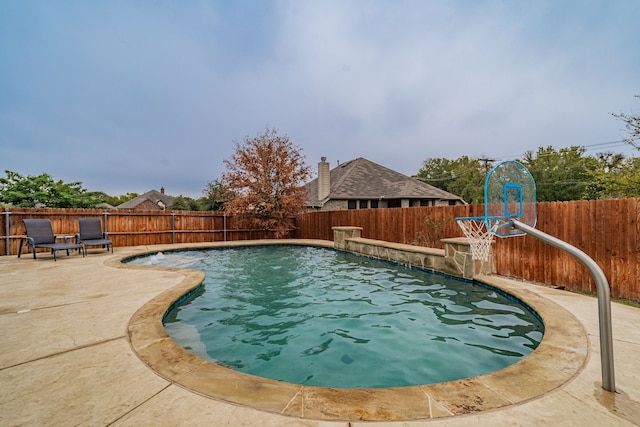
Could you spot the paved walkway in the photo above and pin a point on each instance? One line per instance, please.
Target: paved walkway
(66, 357)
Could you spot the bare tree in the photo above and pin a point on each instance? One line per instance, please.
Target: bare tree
(632, 125)
(266, 173)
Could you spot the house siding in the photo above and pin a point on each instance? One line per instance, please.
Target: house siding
(338, 205)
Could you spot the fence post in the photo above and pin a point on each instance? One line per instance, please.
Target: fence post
(173, 228)
(106, 228)
(7, 233)
(224, 226)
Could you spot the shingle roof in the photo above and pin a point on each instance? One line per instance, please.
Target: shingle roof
(152, 195)
(364, 179)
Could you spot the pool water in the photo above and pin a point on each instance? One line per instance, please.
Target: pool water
(321, 317)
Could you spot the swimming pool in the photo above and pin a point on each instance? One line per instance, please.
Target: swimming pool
(366, 323)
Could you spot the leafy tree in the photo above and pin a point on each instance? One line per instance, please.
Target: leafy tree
(463, 177)
(560, 174)
(628, 184)
(216, 195)
(184, 203)
(632, 125)
(563, 174)
(266, 174)
(42, 190)
(617, 176)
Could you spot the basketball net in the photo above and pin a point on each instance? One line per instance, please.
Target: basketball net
(477, 230)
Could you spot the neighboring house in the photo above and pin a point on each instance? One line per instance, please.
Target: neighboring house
(104, 206)
(150, 201)
(362, 184)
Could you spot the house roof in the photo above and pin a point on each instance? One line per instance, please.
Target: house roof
(151, 195)
(364, 179)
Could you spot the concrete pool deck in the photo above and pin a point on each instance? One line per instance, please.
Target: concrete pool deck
(68, 359)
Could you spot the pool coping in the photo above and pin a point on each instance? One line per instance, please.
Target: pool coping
(560, 357)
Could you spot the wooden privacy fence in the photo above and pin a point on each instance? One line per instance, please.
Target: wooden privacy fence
(606, 230)
(130, 227)
(400, 225)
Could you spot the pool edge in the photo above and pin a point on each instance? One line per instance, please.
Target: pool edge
(560, 357)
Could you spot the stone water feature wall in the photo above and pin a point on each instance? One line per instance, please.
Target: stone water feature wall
(455, 259)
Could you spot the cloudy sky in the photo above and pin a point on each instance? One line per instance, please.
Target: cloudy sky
(131, 95)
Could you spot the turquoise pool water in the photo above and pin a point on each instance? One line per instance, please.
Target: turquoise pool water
(321, 317)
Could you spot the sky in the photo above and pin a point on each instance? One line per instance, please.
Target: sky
(126, 96)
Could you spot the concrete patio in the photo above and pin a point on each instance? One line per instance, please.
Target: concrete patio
(67, 357)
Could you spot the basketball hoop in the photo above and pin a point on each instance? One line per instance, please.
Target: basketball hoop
(479, 231)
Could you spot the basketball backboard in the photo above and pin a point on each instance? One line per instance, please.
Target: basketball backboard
(509, 193)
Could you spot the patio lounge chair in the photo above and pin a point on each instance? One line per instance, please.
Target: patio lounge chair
(40, 235)
(91, 234)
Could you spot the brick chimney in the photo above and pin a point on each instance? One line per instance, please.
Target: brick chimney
(324, 184)
(161, 190)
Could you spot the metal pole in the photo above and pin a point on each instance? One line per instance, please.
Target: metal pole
(7, 233)
(604, 299)
(106, 229)
(173, 228)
